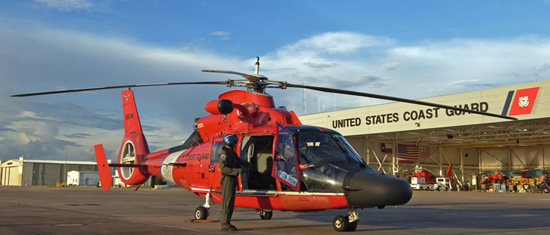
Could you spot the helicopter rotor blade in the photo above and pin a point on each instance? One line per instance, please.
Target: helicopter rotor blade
(249, 77)
(228, 82)
(260, 80)
(392, 98)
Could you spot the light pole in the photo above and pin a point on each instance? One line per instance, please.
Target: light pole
(65, 167)
(26, 178)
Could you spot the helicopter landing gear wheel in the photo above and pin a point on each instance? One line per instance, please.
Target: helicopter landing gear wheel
(201, 213)
(266, 215)
(346, 223)
(340, 223)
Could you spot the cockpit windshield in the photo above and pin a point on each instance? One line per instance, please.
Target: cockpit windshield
(323, 147)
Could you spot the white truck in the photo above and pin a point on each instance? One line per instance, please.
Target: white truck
(419, 183)
(443, 184)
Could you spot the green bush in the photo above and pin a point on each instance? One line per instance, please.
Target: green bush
(159, 181)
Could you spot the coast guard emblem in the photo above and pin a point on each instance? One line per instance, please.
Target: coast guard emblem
(523, 101)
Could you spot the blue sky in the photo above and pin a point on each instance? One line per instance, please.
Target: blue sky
(410, 49)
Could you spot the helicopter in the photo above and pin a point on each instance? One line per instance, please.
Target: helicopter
(295, 167)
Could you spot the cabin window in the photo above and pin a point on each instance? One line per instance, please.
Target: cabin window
(215, 151)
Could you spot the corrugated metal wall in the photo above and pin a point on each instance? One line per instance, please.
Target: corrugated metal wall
(51, 174)
(27, 174)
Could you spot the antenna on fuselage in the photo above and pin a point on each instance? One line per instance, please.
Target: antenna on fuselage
(257, 66)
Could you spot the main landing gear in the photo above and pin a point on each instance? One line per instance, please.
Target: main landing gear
(201, 213)
(346, 223)
(265, 214)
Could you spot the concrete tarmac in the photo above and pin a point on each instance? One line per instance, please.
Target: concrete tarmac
(91, 210)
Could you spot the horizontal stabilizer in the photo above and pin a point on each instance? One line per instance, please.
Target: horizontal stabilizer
(105, 176)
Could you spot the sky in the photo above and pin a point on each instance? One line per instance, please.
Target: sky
(409, 49)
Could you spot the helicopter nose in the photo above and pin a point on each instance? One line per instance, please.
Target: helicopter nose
(371, 188)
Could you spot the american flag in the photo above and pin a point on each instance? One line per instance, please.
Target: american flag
(407, 153)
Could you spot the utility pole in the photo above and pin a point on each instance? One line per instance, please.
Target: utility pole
(26, 178)
(304, 98)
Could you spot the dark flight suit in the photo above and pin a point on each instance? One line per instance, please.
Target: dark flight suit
(231, 168)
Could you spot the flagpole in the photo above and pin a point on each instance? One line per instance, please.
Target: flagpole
(393, 159)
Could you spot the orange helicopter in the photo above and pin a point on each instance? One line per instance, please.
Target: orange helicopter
(296, 167)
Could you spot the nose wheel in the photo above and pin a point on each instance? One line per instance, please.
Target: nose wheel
(201, 213)
(346, 223)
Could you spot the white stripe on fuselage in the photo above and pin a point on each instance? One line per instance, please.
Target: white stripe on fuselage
(166, 169)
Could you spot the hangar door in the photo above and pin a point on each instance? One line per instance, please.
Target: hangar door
(10, 176)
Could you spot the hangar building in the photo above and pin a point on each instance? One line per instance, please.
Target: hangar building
(400, 138)
(23, 172)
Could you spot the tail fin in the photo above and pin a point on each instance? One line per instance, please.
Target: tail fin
(132, 124)
(449, 171)
(105, 176)
(134, 147)
(524, 174)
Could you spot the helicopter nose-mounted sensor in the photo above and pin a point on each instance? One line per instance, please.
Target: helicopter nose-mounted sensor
(218, 107)
(221, 106)
(224, 107)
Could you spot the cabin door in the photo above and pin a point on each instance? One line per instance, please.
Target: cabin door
(285, 167)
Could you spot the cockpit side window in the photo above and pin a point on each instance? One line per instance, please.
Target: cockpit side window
(322, 147)
(344, 144)
(317, 147)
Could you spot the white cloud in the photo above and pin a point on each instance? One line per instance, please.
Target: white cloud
(436, 65)
(72, 5)
(334, 43)
(423, 69)
(46, 59)
(222, 34)
(389, 66)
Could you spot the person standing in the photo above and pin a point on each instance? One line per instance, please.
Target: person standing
(230, 166)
